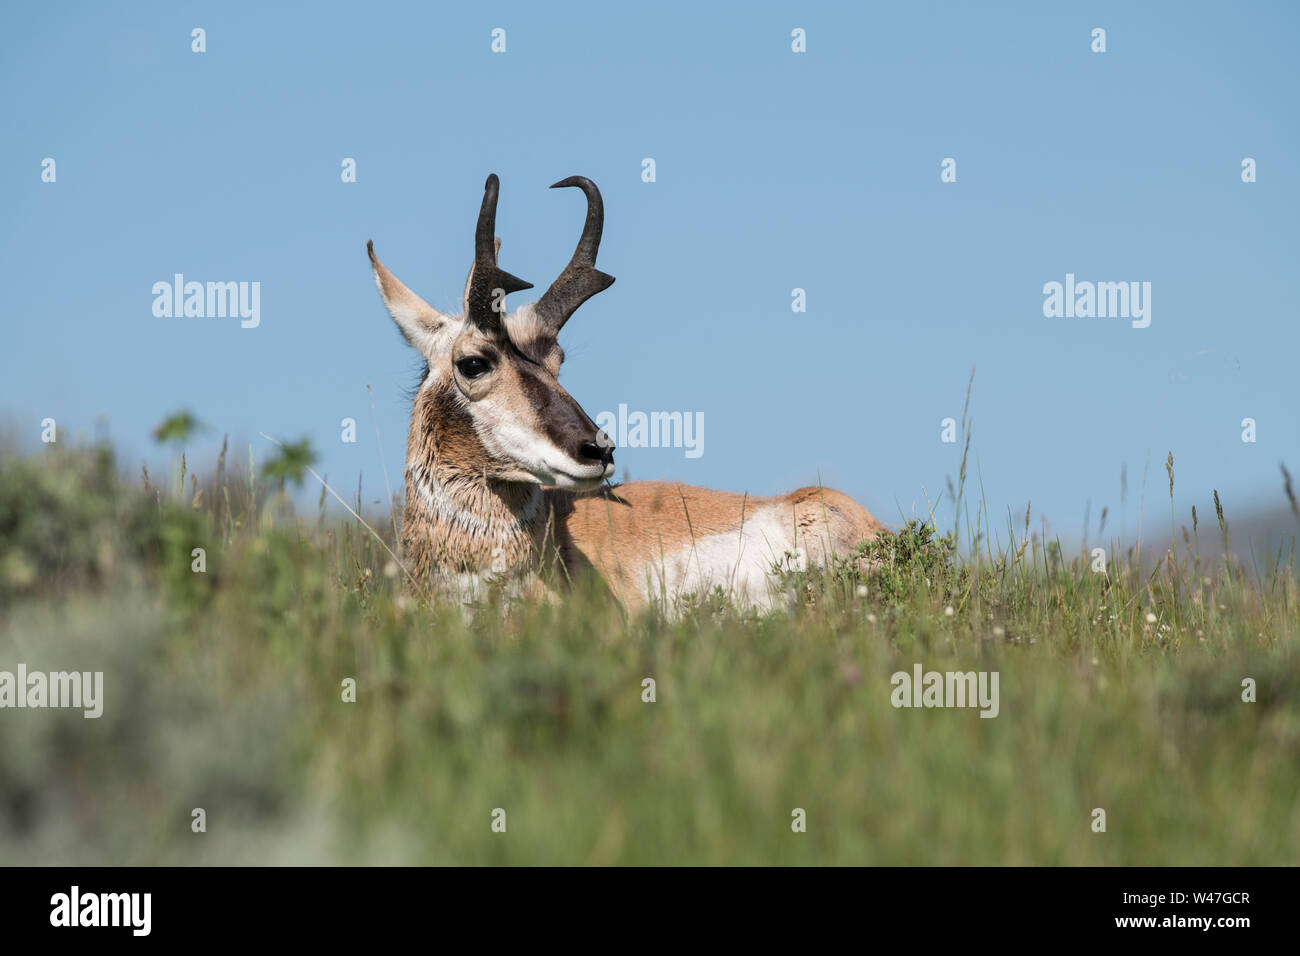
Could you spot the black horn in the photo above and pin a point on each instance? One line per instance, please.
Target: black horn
(488, 284)
(580, 279)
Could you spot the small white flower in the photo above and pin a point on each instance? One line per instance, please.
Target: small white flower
(862, 590)
(1151, 618)
(948, 611)
(871, 618)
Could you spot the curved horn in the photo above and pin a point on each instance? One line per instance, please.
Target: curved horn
(580, 279)
(486, 278)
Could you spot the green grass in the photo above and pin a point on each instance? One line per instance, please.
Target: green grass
(223, 691)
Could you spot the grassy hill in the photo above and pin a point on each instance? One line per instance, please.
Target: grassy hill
(224, 690)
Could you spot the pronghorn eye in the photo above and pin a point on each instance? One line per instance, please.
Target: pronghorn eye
(472, 367)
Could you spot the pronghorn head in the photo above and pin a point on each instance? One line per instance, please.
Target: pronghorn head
(490, 404)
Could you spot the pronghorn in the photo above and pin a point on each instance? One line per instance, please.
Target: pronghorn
(505, 471)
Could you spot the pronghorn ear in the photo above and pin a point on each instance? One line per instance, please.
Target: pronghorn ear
(423, 326)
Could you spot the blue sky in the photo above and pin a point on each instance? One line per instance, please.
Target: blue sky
(774, 171)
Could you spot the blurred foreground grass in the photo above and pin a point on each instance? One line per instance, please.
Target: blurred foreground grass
(1119, 691)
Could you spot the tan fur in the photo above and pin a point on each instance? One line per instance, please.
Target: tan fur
(637, 528)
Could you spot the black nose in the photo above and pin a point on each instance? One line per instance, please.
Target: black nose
(597, 452)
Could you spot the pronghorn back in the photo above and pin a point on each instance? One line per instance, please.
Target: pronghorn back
(653, 540)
